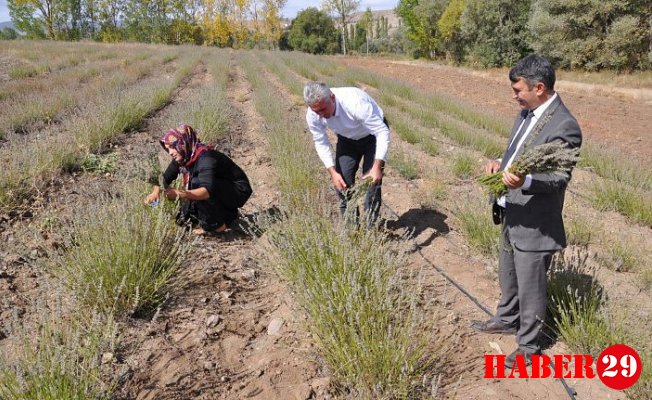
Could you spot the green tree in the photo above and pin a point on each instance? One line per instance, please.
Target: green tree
(342, 11)
(593, 34)
(33, 17)
(183, 26)
(22, 15)
(181, 31)
(144, 20)
(312, 31)
(108, 17)
(364, 24)
(377, 30)
(89, 21)
(359, 39)
(495, 31)
(8, 34)
(449, 30)
(272, 26)
(420, 19)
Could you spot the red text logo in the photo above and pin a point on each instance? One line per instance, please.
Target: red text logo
(618, 366)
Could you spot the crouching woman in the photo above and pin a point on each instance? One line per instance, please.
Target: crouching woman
(214, 186)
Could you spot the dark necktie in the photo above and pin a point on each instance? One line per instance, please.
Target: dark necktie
(517, 138)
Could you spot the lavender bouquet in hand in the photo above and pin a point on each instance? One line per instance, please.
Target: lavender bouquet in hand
(555, 157)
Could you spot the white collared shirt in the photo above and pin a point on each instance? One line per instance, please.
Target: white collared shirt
(537, 113)
(356, 116)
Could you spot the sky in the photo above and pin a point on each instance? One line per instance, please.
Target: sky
(289, 11)
(294, 6)
(4, 11)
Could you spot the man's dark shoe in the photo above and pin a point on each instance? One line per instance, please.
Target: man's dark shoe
(492, 326)
(527, 356)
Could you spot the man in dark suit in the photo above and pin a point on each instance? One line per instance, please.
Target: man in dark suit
(531, 211)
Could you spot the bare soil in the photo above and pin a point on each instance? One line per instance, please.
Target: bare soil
(234, 331)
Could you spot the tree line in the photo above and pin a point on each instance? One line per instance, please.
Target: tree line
(586, 34)
(315, 31)
(233, 23)
(574, 34)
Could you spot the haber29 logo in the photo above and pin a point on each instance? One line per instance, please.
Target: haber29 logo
(618, 366)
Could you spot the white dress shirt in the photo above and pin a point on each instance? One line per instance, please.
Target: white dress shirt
(356, 116)
(537, 113)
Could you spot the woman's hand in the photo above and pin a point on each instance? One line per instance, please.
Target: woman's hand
(171, 194)
(154, 196)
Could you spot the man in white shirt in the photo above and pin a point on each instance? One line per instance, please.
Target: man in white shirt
(362, 135)
(531, 211)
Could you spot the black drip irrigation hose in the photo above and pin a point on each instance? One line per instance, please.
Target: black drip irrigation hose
(569, 390)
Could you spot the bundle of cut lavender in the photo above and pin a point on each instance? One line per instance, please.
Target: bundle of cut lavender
(555, 157)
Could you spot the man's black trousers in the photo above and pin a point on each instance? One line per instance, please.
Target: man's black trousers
(348, 154)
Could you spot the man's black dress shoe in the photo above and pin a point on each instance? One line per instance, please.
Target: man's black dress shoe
(527, 355)
(492, 326)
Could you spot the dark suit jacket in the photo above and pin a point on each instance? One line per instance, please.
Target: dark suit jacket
(533, 217)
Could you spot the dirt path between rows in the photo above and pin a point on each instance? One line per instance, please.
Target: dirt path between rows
(618, 119)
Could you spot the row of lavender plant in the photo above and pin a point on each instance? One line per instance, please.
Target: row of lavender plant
(349, 281)
(117, 111)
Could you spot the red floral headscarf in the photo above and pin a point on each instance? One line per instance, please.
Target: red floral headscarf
(184, 140)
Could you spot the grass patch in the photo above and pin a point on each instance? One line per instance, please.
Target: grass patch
(405, 130)
(610, 164)
(579, 231)
(119, 111)
(23, 71)
(99, 163)
(50, 100)
(478, 228)
(432, 191)
(294, 85)
(634, 79)
(133, 271)
(405, 166)
(459, 132)
(631, 202)
(61, 359)
(464, 166)
(577, 303)
(621, 256)
(643, 387)
(646, 279)
(430, 147)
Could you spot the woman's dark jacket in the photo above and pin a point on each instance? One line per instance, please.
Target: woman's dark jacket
(227, 185)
